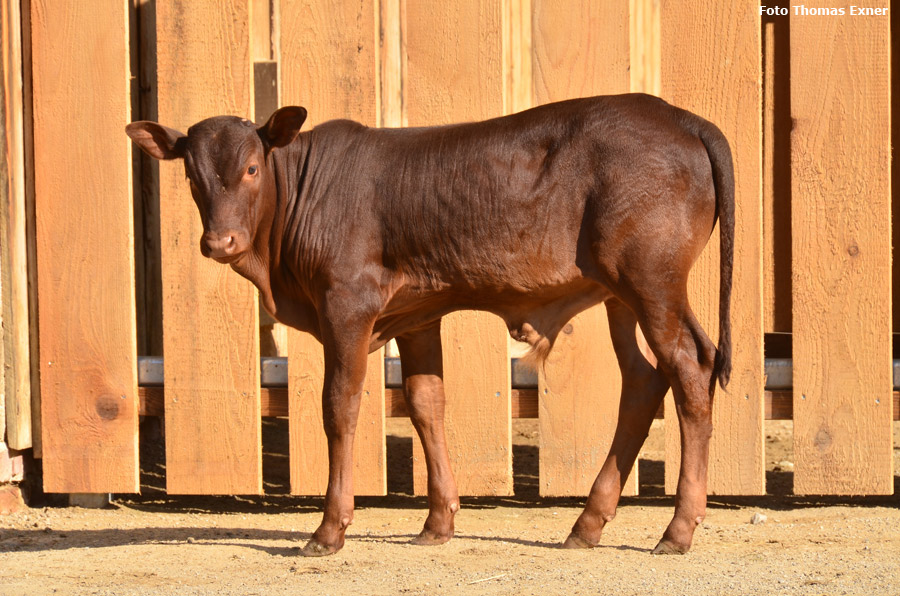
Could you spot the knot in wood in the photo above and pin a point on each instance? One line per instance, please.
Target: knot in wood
(107, 407)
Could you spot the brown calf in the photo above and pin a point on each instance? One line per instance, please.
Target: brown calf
(359, 235)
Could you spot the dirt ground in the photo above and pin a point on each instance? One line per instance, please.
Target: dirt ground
(157, 544)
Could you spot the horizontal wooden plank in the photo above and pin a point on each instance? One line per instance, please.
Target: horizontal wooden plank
(778, 404)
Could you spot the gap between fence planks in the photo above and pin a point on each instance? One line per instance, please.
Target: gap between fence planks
(776, 58)
(841, 214)
(580, 48)
(210, 314)
(330, 66)
(895, 171)
(85, 247)
(457, 61)
(710, 65)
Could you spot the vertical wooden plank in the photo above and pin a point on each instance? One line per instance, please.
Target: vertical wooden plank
(329, 57)
(369, 449)
(30, 233)
(13, 247)
(4, 198)
(261, 34)
(210, 316)
(710, 65)
(85, 246)
(519, 93)
(391, 60)
(456, 72)
(644, 42)
(308, 447)
(581, 48)
(578, 397)
(841, 168)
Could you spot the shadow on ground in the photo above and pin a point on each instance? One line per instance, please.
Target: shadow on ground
(277, 497)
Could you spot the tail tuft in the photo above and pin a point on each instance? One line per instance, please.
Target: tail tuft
(536, 357)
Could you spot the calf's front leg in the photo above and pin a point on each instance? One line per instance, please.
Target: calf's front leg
(423, 388)
(345, 339)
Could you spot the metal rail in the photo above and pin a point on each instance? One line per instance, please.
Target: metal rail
(274, 373)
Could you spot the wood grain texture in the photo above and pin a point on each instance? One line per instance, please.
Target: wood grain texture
(479, 409)
(14, 254)
(329, 56)
(518, 29)
(391, 62)
(308, 446)
(841, 167)
(85, 246)
(581, 48)
(330, 62)
(644, 42)
(30, 233)
(578, 395)
(710, 65)
(456, 64)
(260, 30)
(210, 313)
(456, 71)
(4, 198)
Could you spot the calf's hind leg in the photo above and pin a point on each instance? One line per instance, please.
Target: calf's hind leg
(423, 385)
(643, 388)
(686, 356)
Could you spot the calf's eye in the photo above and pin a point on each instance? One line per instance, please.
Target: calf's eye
(252, 170)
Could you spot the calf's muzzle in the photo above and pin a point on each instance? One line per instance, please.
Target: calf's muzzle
(225, 246)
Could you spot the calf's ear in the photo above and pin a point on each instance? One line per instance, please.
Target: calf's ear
(283, 126)
(157, 140)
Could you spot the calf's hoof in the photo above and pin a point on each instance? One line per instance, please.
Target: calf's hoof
(666, 547)
(576, 541)
(428, 538)
(314, 548)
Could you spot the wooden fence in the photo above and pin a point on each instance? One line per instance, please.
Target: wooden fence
(805, 102)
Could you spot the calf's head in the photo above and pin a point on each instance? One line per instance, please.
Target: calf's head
(231, 180)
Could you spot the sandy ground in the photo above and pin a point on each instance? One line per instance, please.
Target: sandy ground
(156, 544)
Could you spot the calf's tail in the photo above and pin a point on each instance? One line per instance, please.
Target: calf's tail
(723, 181)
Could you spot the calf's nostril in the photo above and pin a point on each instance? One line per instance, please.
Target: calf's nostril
(217, 245)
